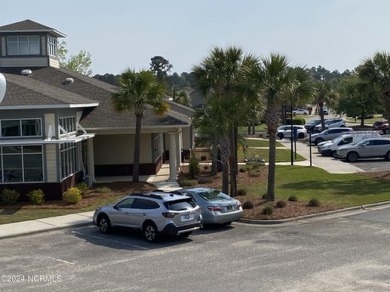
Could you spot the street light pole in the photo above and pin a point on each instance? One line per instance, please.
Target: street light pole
(291, 134)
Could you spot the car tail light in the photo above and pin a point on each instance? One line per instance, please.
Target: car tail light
(168, 214)
(214, 208)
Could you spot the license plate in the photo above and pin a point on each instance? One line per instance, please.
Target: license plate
(187, 217)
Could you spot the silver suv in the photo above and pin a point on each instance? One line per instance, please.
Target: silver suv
(153, 213)
(368, 148)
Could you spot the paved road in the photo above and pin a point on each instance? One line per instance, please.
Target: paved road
(336, 254)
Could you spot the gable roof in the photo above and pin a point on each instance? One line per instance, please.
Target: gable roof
(29, 26)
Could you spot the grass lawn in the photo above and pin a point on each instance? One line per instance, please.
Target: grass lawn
(260, 143)
(306, 183)
(282, 155)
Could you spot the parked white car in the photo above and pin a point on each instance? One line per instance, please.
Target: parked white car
(300, 111)
(284, 131)
(329, 148)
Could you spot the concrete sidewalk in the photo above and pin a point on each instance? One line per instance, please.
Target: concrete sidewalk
(161, 181)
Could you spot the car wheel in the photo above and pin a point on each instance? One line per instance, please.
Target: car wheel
(301, 136)
(386, 131)
(186, 234)
(227, 223)
(334, 154)
(387, 157)
(150, 232)
(318, 140)
(280, 136)
(104, 224)
(352, 156)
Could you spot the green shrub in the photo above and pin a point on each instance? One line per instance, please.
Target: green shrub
(36, 197)
(72, 195)
(293, 198)
(313, 203)
(9, 197)
(248, 205)
(193, 166)
(280, 204)
(267, 210)
(241, 192)
(83, 187)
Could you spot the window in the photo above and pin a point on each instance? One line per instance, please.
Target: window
(21, 163)
(21, 128)
(144, 204)
(126, 203)
(52, 46)
(69, 158)
(23, 45)
(68, 124)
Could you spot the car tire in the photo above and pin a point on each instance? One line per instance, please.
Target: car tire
(280, 136)
(387, 157)
(386, 131)
(318, 140)
(150, 232)
(334, 154)
(301, 136)
(104, 224)
(185, 234)
(227, 223)
(352, 156)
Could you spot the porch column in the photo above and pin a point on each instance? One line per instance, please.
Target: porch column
(178, 151)
(172, 156)
(90, 160)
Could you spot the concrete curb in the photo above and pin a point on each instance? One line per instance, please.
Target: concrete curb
(310, 216)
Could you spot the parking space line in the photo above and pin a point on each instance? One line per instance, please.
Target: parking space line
(114, 241)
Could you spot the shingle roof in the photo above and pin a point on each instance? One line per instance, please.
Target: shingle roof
(25, 92)
(47, 85)
(29, 25)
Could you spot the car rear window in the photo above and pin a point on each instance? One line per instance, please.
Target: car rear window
(180, 205)
(214, 196)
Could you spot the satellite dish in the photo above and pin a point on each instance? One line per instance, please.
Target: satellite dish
(2, 87)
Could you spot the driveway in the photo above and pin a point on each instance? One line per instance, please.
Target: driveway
(348, 253)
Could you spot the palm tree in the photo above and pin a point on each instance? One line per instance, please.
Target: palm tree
(137, 92)
(219, 78)
(377, 71)
(277, 84)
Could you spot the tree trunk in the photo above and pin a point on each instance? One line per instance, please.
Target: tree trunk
(137, 148)
(225, 153)
(271, 164)
(232, 162)
(272, 117)
(214, 163)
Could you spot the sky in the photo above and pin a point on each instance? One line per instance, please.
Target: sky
(122, 34)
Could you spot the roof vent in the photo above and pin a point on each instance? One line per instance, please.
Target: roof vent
(26, 72)
(68, 80)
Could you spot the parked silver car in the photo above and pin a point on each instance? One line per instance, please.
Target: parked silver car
(368, 148)
(329, 134)
(217, 207)
(329, 148)
(152, 213)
